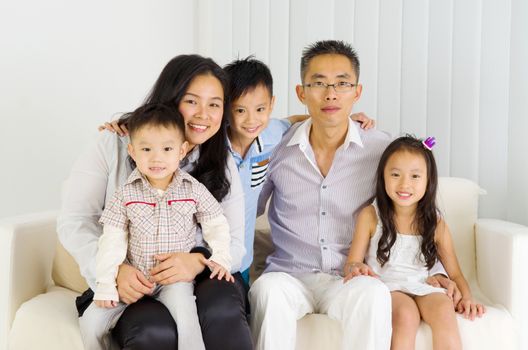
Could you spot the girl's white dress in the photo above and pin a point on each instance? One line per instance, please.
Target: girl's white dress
(405, 270)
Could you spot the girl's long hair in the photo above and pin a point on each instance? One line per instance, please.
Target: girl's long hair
(171, 86)
(426, 216)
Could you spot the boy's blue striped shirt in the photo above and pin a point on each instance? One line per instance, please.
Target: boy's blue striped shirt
(253, 169)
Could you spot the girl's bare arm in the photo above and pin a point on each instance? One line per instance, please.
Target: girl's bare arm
(447, 255)
(365, 227)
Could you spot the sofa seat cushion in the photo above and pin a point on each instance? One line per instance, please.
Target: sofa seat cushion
(51, 319)
(48, 321)
(317, 331)
(495, 330)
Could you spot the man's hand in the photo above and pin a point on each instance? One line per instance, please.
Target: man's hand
(354, 269)
(177, 267)
(132, 285)
(441, 281)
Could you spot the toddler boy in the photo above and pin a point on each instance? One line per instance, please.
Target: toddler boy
(155, 212)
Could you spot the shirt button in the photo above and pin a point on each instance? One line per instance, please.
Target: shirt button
(323, 213)
(324, 187)
(322, 240)
(325, 248)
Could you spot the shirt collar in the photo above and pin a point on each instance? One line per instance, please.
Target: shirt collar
(301, 135)
(256, 147)
(134, 176)
(259, 144)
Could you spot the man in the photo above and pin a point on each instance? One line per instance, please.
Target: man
(321, 175)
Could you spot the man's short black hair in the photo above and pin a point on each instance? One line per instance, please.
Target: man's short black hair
(155, 114)
(247, 74)
(329, 47)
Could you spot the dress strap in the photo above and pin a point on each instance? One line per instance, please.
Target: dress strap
(375, 205)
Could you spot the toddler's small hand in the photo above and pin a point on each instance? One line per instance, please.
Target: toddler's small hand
(108, 304)
(219, 271)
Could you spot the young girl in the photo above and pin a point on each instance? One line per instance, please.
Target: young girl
(400, 237)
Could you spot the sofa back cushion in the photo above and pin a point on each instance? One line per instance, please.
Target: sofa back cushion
(458, 201)
(66, 272)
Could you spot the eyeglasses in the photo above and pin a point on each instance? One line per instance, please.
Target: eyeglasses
(342, 86)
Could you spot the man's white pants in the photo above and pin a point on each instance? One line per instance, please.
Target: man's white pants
(362, 305)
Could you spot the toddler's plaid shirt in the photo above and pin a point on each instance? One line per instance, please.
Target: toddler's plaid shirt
(159, 224)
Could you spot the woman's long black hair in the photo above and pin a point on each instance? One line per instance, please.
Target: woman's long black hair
(171, 86)
(426, 217)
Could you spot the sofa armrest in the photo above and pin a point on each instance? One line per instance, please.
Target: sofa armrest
(501, 247)
(27, 247)
(501, 268)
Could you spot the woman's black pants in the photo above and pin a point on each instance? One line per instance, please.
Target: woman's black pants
(222, 311)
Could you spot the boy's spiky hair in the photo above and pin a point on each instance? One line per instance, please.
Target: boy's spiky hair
(246, 74)
(329, 47)
(155, 114)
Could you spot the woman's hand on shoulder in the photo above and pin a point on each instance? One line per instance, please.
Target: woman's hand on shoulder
(177, 267)
(132, 285)
(354, 269)
(114, 127)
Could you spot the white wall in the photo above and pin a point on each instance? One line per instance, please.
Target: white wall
(453, 69)
(65, 67)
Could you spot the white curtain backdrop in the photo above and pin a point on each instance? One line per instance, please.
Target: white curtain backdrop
(453, 69)
(456, 70)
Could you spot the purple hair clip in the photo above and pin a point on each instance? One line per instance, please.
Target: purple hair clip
(429, 142)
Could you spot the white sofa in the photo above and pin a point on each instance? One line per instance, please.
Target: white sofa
(40, 281)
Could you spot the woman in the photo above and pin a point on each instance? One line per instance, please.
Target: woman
(198, 86)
